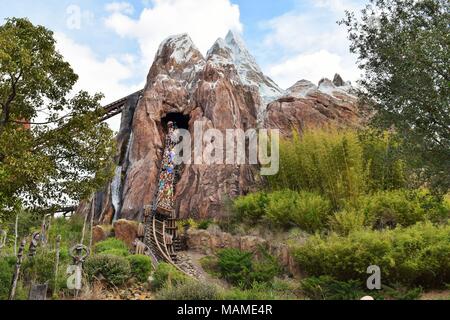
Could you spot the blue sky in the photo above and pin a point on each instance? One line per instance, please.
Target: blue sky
(111, 44)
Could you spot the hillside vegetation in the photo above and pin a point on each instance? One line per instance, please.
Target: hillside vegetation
(354, 193)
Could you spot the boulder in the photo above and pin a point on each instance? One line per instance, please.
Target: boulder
(126, 231)
(99, 233)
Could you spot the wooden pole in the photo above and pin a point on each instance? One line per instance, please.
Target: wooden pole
(16, 231)
(45, 228)
(58, 246)
(84, 224)
(92, 220)
(15, 279)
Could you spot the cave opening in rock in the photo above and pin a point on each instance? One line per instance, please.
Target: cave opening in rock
(181, 120)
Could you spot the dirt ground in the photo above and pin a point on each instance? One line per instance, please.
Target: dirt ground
(436, 295)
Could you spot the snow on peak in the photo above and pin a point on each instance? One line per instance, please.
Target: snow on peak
(236, 38)
(301, 89)
(220, 53)
(241, 54)
(181, 46)
(232, 50)
(335, 87)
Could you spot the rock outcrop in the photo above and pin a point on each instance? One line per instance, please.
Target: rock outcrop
(224, 90)
(209, 242)
(305, 105)
(99, 234)
(126, 231)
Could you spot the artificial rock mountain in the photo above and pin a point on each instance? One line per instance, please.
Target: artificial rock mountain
(225, 90)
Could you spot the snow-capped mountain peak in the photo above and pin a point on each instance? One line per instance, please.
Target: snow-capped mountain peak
(301, 89)
(232, 50)
(242, 56)
(182, 46)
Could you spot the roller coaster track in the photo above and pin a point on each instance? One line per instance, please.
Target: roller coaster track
(160, 234)
(117, 107)
(160, 243)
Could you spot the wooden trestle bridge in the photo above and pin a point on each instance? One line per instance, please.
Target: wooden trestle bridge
(117, 107)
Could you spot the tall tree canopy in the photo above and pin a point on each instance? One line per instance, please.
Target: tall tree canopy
(403, 48)
(52, 147)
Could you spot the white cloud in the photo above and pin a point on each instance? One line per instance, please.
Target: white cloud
(120, 7)
(338, 6)
(98, 75)
(314, 65)
(203, 20)
(305, 33)
(311, 44)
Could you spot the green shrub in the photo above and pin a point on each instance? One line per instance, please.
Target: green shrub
(241, 269)
(211, 265)
(401, 207)
(383, 160)
(280, 206)
(251, 207)
(110, 243)
(412, 256)
(285, 288)
(285, 208)
(235, 266)
(324, 161)
(327, 288)
(311, 212)
(189, 290)
(167, 275)
(399, 292)
(113, 269)
(7, 264)
(257, 291)
(347, 221)
(264, 268)
(117, 252)
(204, 224)
(437, 208)
(141, 267)
(341, 164)
(41, 269)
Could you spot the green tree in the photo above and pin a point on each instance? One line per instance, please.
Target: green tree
(403, 47)
(52, 146)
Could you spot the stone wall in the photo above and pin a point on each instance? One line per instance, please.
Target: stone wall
(209, 242)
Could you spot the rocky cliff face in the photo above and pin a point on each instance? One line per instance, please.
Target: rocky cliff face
(224, 90)
(306, 105)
